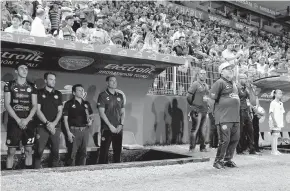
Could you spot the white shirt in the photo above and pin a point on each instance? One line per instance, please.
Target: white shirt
(277, 109)
(19, 30)
(178, 34)
(37, 28)
(228, 55)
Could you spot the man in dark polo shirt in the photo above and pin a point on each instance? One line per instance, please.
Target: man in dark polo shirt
(246, 127)
(112, 112)
(77, 120)
(49, 113)
(227, 115)
(197, 98)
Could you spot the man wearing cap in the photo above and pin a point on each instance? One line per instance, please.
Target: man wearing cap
(227, 115)
(67, 33)
(246, 127)
(197, 98)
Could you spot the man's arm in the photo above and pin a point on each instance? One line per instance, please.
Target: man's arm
(11, 112)
(191, 91)
(59, 109)
(215, 91)
(34, 107)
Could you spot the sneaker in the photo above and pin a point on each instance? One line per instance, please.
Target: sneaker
(230, 164)
(218, 165)
(276, 153)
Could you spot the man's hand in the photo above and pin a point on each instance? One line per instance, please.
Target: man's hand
(19, 122)
(24, 123)
(119, 128)
(90, 121)
(51, 127)
(113, 129)
(70, 137)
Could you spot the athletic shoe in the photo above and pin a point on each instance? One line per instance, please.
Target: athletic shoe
(218, 165)
(230, 164)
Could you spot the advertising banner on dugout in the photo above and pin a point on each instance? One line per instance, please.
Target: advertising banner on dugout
(65, 56)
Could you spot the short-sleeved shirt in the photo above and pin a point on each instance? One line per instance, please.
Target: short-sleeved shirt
(49, 102)
(278, 111)
(243, 95)
(113, 103)
(198, 90)
(77, 112)
(227, 102)
(21, 97)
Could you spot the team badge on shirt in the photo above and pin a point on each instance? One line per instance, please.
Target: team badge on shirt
(108, 98)
(224, 127)
(73, 106)
(43, 96)
(118, 99)
(8, 141)
(28, 90)
(56, 96)
(103, 139)
(86, 106)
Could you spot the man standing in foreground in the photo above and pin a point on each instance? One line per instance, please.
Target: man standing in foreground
(77, 120)
(227, 115)
(21, 104)
(49, 113)
(197, 98)
(112, 112)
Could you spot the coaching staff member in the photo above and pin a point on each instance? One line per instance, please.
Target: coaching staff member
(197, 98)
(49, 113)
(112, 113)
(77, 120)
(227, 115)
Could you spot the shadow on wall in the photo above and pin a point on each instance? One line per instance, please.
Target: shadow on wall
(131, 123)
(169, 121)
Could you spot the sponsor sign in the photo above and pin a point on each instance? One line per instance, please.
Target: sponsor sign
(63, 56)
(20, 108)
(75, 62)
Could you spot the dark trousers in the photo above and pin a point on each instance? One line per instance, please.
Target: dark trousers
(77, 151)
(229, 135)
(256, 128)
(246, 132)
(43, 136)
(107, 138)
(214, 140)
(198, 128)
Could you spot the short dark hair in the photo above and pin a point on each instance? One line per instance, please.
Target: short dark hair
(75, 87)
(18, 65)
(109, 77)
(25, 21)
(84, 21)
(48, 73)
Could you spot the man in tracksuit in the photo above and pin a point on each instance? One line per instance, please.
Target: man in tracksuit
(227, 115)
(246, 127)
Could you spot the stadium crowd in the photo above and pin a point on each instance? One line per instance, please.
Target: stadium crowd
(149, 26)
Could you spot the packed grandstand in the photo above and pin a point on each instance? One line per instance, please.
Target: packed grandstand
(161, 27)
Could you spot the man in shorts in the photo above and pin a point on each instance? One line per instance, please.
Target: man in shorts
(21, 103)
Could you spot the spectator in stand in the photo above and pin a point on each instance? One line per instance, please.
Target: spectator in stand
(26, 25)
(182, 48)
(262, 67)
(179, 33)
(66, 10)
(5, 16)
(83, 33)
(99, 35)
(37, 26)
(67, 32)
(16, 26)
(54, 16)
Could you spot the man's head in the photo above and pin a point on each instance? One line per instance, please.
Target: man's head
(78, 91)
(40, 13)
(227, 70)
(201, 75)
(21, 71)
(176, 42)
(230, 46)
(69, 20)
(100, 23)
(26, 25)
(84, 23)
(182, 40)
(243, 79)
(111, 82)
(49, 79)
(16, 20)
